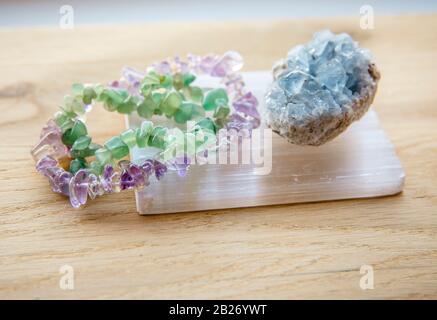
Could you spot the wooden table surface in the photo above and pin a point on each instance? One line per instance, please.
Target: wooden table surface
(288, 251)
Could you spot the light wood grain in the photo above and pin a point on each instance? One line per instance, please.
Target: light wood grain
(292, 251)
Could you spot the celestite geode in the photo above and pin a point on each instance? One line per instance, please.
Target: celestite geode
(320, 89)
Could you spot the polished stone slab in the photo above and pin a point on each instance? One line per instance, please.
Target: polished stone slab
(360, 163)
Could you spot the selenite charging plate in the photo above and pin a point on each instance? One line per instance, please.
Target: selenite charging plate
(360, 163)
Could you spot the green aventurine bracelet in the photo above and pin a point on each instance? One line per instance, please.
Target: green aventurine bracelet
(77, 167)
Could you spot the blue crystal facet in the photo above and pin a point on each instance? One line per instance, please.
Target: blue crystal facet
(318, 90)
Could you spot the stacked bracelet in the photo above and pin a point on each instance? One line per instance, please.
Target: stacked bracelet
(79, 168)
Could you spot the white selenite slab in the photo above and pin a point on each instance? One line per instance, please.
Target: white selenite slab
(360, 163)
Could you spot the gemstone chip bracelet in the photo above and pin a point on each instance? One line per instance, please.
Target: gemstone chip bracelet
(79, 168)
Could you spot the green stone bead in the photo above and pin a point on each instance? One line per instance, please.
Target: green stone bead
(146, 89)
(79, 106)
(88, 95)
(158, 95)
(142, 134)
(98, 89)
(196, 94)
(214, 98)
(103, 155)
(67, 138)
(66, 125)
(118, 148)
(60, 118)
(63, 121)
(157, 138)
(188, 78)
(207, 124)
(129, 138)
(151, 81)
(166, 81)
(198, 111)
(87, 152)
(77, 89)
(121, 94)
(109, 105)
(220, 123)
(140, 139)
(66, 106)
(96, 168)
(113, 98)
(77, 164)
(152, 78)
(73, 104)
(128, 105)
(67, 103)
(78, 129)
(221, 112)
(147, 108)
(178, 81)
(171, 103)
(81, 143)
(147, 126)
(70, 114)
(185, 112)
(104, 94)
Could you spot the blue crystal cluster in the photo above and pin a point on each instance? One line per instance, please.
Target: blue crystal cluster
(320, 88)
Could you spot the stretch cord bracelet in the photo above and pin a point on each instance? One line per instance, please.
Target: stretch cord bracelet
(79, 168)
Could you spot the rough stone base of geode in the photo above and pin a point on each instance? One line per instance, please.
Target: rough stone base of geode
(327, 127)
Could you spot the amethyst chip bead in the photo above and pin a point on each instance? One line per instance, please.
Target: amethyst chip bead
(79, 188)
(133, 176)
(44, 163)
